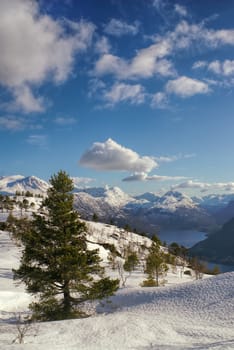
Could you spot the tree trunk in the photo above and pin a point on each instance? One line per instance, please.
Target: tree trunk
(66, 299)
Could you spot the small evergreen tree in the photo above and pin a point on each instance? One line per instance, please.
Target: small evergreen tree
(155, 265)
(95, 217)
(56, 264)
(131, 261)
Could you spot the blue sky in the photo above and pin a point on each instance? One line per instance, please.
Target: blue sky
(136, 94)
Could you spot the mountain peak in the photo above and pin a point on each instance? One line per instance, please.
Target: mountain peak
(11, 184)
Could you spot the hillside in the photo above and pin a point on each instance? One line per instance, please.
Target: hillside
(218, 247)
(225, 214)
(182, 315)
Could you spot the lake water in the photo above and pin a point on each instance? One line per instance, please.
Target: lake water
(186, 238)
(222, 268)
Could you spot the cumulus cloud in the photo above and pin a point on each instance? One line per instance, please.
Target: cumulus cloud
(121, 92)
(118, 28)
(204, 186)
(26, 62)
(186, 87)
(146, 177)
(109, 155)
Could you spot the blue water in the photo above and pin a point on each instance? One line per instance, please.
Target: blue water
(186, 238)
(222, 268)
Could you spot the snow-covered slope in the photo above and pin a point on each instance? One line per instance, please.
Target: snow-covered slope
(186, 316)
(12, 184)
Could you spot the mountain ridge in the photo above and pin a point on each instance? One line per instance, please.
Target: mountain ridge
(146, 212)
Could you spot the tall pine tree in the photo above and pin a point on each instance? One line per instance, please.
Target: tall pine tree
(56, 264)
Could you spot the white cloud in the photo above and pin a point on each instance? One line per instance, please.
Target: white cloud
(81, 181)
(147, 63)
(219, 37)
(96, 88)
(158, 4)
(210, 37)
(164, 178)
(135, 177)
(215, 67)
(225, 68)
(16, 123)
(181, 10)
(169, 159)
(154, 59)
(186, 87)
(102, 45)
(118, 28)
(121, 92)
(146, 177)
(204, 186)
(109, 155)
(163, 9)
(63, 121)
(26, 101)
(36, 48)
(159, 100)
(110, 64)
(37, 140)
(12, 123)
(228, 67)
(199, 64)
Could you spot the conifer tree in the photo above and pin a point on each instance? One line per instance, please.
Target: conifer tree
(56, 264)
(155, 265)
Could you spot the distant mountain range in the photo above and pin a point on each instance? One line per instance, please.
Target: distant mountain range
(147, 212)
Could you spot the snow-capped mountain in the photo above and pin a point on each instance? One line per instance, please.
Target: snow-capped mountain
(147, 196)
(107, 203)
(12, 184)
(214, 202)
(174, 200)
(112, 196)
(145, 213)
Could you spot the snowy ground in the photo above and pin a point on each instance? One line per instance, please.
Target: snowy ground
(189, 315)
